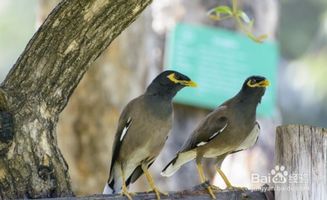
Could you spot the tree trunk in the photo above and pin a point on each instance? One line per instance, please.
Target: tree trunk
(302, 150)
(38, 88)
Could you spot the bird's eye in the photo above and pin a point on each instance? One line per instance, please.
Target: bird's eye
(252, 83)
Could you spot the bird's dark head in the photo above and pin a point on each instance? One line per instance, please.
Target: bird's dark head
(168, 83)
(254, 87)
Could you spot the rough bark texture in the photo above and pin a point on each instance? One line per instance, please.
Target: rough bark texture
(39, 85)
(303, 151)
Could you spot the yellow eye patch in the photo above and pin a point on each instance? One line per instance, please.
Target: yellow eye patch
(182, 82)
(173, 78)
(263, 83)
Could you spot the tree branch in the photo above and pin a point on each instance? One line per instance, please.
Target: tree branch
(39, 85)
(187, 194)
(71, 38)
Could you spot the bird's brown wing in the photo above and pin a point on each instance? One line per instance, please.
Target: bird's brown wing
(124, 123)
(210, 127)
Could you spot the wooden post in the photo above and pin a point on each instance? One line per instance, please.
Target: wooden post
(301, 161)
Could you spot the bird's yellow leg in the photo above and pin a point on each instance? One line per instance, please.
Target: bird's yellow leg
(203, 179)
(151, 182)
(124, 190)
(224, 177)
(227, 182)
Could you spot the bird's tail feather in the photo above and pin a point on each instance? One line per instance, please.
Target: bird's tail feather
(107, 189)
(177, 162)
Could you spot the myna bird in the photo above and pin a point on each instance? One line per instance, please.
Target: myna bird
(230, 128)
(142, 131)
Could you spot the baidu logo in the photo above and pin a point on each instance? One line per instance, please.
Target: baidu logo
(281, 179)
(279, 174)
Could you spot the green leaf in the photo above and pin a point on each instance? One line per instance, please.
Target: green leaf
(244, 16)
(243, 21)
(220, 11)
(250, 25)
(223, 10)
(258, 39)
(252, 37)
(263, 37)
(213, 14)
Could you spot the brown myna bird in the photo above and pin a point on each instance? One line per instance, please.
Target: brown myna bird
(230, 128)
(142, 131)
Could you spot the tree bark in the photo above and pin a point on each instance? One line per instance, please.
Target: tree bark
(302, 150)
(39, 85)
(192, 194)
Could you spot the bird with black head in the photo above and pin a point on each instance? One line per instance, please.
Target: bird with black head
(143, 128)
(230, 128)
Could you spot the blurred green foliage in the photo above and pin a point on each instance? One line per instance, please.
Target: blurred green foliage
(244, 23)
(299, 23)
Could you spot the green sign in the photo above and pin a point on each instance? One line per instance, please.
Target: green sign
(220, 61)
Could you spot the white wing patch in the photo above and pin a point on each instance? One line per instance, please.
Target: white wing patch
(211, 137)
(128, 124)
(216, 133)
(201, 144)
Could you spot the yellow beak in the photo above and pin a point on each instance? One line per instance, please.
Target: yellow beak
(264, 83)
(188, 83)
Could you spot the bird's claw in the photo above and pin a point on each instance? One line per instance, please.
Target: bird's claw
(155, 191)
(125, 192)
(128, 195)
(207, 186)
(158, 192)
(215, 188)
(236, 188)
(213, 196)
